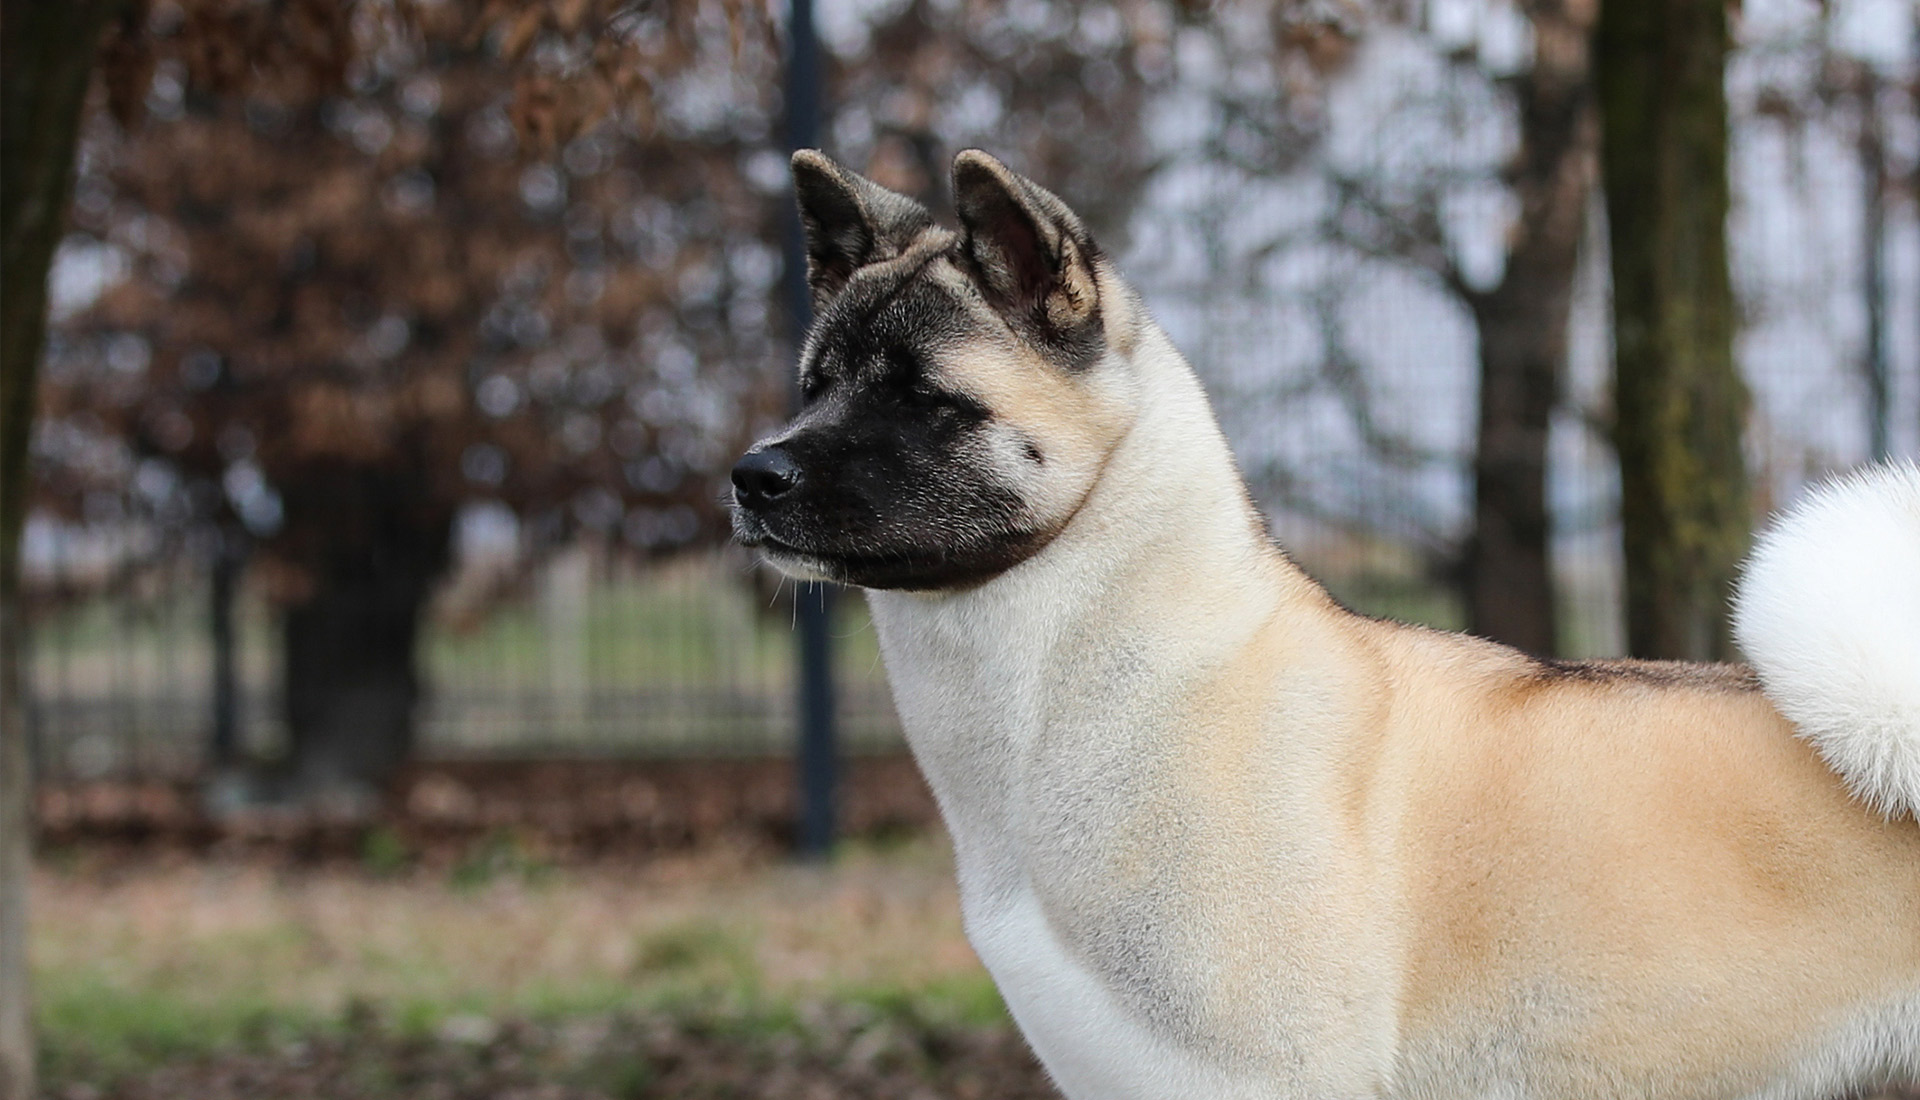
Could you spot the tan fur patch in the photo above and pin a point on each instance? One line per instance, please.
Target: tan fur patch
(1654, 838)
(1074, 422)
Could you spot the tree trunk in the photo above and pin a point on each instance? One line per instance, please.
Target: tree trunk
(1679, 401)
(1522, 326)
(371, 549)
(46, 57)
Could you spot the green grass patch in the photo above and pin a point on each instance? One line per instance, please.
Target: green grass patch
(700, 950)
(427, 966)
(970, 1000)
(687, 626)
(501, 854)
(95, 1030)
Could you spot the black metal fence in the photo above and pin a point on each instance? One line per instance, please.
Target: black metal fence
(589, 655)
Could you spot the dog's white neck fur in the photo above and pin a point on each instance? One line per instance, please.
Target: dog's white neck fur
(1058, 659)
(975, 672)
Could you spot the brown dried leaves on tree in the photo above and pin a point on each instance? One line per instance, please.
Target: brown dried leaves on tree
(421, 237)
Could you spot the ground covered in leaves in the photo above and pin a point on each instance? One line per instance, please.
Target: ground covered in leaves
(838, 1052)
(721, 970)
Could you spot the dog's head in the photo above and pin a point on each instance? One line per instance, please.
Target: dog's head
(960, 391)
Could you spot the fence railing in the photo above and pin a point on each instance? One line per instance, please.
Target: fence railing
(591, 655)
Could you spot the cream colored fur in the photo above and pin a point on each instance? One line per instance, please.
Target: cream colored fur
(1219, 838)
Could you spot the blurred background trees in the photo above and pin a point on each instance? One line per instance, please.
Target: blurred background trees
(351, 302)
(367, 269)
(347, 289)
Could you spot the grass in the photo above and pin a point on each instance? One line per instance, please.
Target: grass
(675, 627)
(94, 1029)
(137, 968)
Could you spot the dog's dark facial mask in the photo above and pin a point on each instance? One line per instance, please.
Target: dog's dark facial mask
(952, 412)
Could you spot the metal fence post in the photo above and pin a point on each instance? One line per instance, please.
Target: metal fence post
(817, 754)
(228, 556)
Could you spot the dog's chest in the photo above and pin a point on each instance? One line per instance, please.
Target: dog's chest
(1092, 1044)
(1053, 789)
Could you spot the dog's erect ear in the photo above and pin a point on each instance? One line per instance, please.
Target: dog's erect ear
(850, 222)
(1030, 253)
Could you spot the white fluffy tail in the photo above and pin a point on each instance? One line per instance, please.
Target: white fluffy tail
(1829, 613)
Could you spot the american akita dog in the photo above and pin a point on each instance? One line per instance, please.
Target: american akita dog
(1219, 837)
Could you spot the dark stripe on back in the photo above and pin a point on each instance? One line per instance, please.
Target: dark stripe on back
(1628, 670)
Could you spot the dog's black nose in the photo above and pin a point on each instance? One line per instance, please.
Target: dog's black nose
(764, 476)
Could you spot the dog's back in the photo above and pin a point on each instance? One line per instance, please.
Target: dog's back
(1634, 873)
